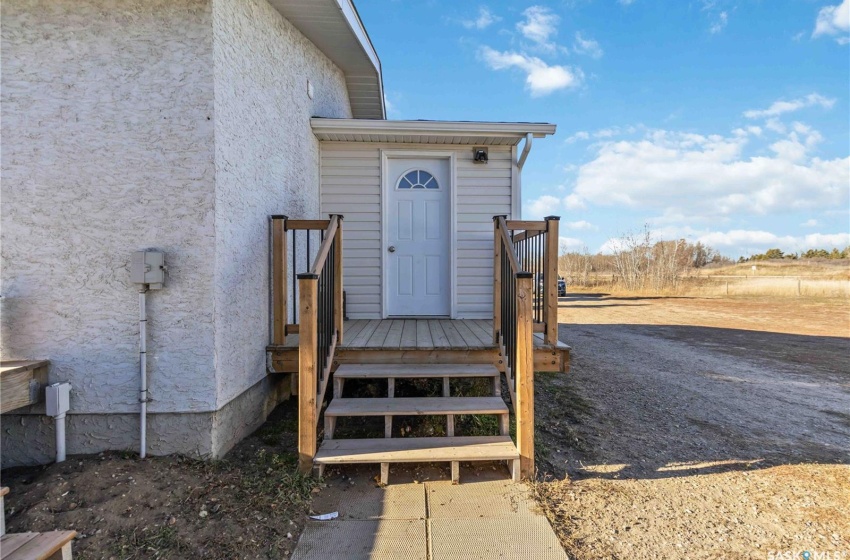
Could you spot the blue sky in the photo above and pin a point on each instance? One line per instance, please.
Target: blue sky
(715, 120)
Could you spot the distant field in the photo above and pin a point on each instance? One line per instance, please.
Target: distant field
(785, 278)
(820, 268)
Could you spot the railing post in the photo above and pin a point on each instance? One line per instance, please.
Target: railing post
(524, 373)
(550, 281)
(497, 278)
(307, 375)
(279, 273)
(337, 256)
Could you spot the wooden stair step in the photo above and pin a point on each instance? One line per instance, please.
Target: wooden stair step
(37, 546)
(416, 450)
(414, 371)
(416, 406)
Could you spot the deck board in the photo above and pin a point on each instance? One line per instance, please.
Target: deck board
(423, 335)
(420, 334)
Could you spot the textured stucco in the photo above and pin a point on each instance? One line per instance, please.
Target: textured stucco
(267, 162)
(107, 131)
(178, 125)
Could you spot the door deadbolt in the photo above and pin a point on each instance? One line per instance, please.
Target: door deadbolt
(391, 249)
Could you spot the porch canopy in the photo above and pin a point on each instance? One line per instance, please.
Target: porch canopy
(428, 132)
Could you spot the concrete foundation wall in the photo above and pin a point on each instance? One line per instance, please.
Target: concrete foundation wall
(29, 439)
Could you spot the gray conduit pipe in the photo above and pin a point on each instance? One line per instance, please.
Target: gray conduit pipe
(143, 372)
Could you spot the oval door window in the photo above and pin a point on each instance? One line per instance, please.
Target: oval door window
(417, 179)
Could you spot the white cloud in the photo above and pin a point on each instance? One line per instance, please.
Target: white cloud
(539, 26)
(580, 224)
(740, 241)
(720, 23)
(569, 244)
(543, 206)
(810, 223)
(834, 20)
(587, 46)
(707, 177)
(602, 133)
(541, 78)
(390, 104)
(780, 107)
(484, 20)
(758, 240)
(574, 202)
(627, 2)
(580, 135)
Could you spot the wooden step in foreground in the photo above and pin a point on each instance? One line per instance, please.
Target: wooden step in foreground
(419, 450)
(414, 371)
(53, 545)
(416, 406)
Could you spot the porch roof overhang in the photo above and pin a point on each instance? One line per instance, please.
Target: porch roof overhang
(428, 132)
(335, 28)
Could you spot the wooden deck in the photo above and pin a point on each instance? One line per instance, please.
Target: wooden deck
(419, 334)
(422, 341)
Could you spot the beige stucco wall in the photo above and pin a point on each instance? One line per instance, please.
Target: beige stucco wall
(267, 162)
(107, 148)
(178, 125)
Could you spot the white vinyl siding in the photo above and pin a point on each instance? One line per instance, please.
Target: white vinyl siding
(351, 186)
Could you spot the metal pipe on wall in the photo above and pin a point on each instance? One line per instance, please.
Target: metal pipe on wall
(143, 373)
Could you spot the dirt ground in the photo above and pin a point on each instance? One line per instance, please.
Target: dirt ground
(699, 428)
(250, 505)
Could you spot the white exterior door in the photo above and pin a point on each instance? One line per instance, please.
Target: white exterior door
(418, 243)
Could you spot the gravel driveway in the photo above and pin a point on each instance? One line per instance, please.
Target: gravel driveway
(699, 427)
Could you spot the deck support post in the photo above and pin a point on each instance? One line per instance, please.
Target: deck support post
(279, 273)
(524, 373)
(550, 281)
(497, 279)
(338, 297)
(307, 375)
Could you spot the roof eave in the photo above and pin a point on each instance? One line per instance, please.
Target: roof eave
(443, 128)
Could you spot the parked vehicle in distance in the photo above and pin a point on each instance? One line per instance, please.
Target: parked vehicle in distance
(562, 287)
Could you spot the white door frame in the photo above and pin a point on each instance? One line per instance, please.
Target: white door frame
(386, 155)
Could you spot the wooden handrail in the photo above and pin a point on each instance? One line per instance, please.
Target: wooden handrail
(325, 248)
(502, 228)
(526, 225)
(307, 224)
(320, 331)
(279, 285)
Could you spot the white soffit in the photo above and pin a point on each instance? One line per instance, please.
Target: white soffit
(427, 132)
(335, 28)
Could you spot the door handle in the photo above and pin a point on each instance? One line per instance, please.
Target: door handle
(391, 248)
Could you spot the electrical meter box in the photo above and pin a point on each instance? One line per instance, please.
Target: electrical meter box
(148, 267)
(58, 398)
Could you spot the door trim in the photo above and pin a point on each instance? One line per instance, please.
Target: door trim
(451, 156)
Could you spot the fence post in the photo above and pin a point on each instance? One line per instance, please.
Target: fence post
(497, 278)
(338, 298)
(524, 373)
(550, 281)
(307, 348)
(278, 288)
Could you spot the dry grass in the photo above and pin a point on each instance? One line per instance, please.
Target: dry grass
(825, 269)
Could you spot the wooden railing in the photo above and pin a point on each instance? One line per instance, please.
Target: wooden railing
(318, 313)
(535, 245)
(514, 294)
